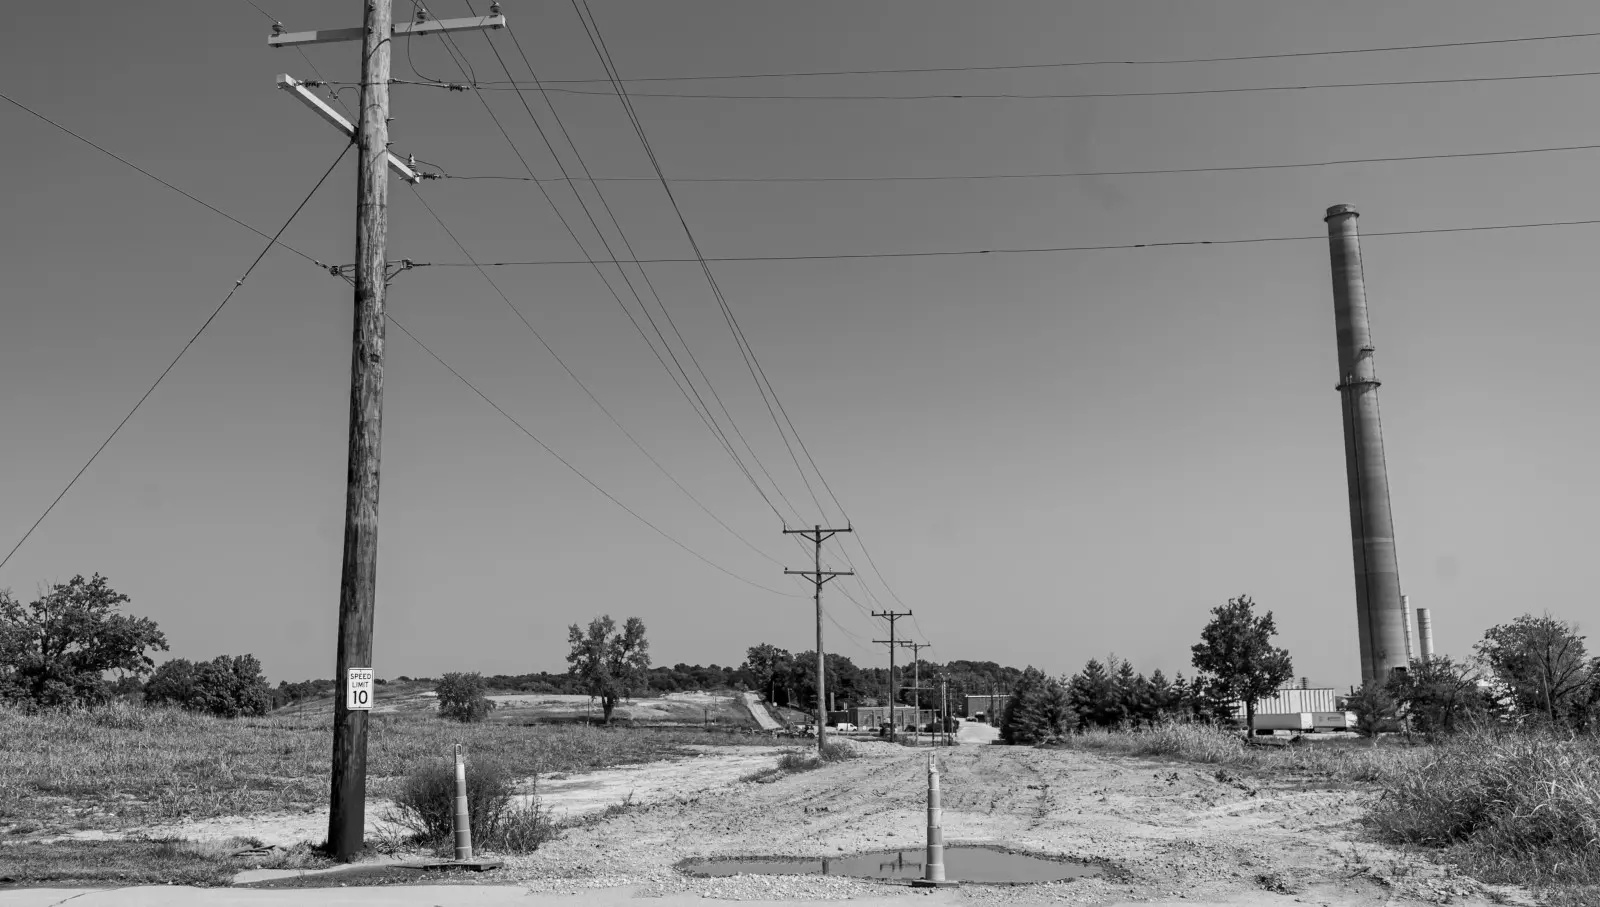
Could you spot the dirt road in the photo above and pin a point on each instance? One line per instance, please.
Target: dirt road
(1172, 833)
(1168, 833)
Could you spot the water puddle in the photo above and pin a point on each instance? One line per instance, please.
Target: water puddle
(962, 864)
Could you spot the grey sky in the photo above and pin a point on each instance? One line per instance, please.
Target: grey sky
(1050, 456)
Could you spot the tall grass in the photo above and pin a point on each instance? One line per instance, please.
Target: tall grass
(1341, 759)
(108, 766)
(1516, 806)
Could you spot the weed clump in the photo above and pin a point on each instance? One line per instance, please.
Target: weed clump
(1520, 807)
(501, 822)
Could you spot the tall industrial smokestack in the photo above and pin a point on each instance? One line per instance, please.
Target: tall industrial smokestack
(1425, 632)
(1411, 650)
(1380, 615)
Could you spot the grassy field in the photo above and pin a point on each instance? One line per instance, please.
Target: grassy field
(725, 709)
(1516, 807)
(96, 863)
(120, 767)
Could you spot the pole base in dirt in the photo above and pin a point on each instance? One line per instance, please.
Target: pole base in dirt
(472, 865)
(926, 883)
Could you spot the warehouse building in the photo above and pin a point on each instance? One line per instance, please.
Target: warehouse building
(990, 706)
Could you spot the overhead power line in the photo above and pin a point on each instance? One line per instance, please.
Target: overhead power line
(752, 363)
(1073, 63)
(592, 29)
(271, 241)
(578, 472)
(117, 157)
(1044, 175)
(692, 393)
(1023, 250)
(585, 388)
(1052, 96)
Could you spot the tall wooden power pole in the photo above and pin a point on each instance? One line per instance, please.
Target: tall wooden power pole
(916, 685)
(818, 577)
(359, 573)
(359, 570)
(891, 617)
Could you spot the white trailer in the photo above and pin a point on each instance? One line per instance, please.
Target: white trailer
(1333, 721)
(1293, 721)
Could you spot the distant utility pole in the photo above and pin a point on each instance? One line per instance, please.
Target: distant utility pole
(916, 685)
(891, 617)
(358, 574)
(818, 577)
(944, 709)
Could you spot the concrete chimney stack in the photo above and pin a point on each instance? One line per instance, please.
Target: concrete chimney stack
(1380, 614)
(1425, 633)
(1411, 650)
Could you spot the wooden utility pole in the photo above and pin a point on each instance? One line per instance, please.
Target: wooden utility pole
(944, 712)
(916, 686)
(891, 617)
(818, 577)
(358, 572)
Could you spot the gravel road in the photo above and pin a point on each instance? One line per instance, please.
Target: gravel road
(1171, 833)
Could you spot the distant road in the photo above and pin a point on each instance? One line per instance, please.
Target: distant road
(973, 733)
(762, 716)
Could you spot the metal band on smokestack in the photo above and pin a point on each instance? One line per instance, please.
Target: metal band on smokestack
(1380, 614)
(1425, 631)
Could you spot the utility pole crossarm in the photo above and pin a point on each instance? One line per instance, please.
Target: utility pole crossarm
(334, 35)
(298, 88)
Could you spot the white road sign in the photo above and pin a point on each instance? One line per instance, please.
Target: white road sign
(358, 690)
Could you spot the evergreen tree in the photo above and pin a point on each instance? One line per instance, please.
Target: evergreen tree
(1091, 695)
(1161, 696)
(1038, 711)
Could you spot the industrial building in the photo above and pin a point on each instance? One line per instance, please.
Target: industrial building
(871, 717)
(1291, 700)
(986, 704)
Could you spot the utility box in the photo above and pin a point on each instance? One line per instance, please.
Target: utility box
(1333, 721)
(1294, 721)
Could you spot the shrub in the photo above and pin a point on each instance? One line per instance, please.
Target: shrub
(425, 806)
(838, 751)
(226, 686)
(463, 697)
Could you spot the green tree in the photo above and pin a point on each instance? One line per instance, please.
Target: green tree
(1131, 695)
(464, 697)
(1163, 696)
(607, 664)
(1541, 664)
(1092, 694)
(765, 664)
(1236, 651)
(1440, 695)
(57, 650)
(227, 686)
(1376, 710)
(1038, 711)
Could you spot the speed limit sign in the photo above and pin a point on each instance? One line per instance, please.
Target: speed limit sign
(358, 690)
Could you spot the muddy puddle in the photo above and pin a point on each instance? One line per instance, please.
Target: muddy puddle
(962, 864)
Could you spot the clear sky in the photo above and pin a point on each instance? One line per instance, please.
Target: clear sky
(1050, 456)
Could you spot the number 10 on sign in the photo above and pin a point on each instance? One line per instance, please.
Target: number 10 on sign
(358, 690)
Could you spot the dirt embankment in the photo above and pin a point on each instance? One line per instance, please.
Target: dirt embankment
(1171, 832)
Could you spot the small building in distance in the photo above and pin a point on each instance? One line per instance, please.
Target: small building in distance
(871, 717)
(990, 706)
